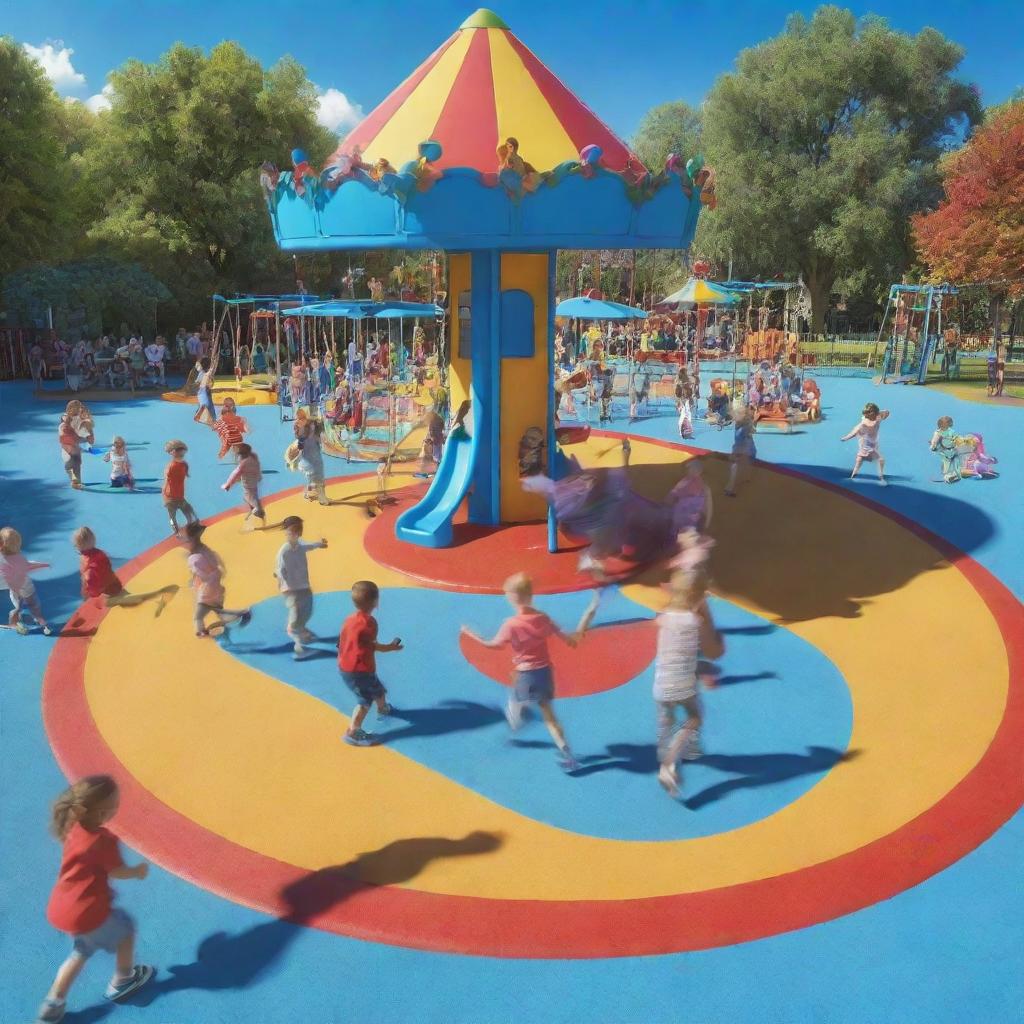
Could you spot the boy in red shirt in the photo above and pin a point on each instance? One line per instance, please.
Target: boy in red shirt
(173, 492)
(81, 903)
(357, 659)
(527, 634)
(100, 581)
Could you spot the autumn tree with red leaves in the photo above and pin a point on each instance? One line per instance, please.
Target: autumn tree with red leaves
(977, 232)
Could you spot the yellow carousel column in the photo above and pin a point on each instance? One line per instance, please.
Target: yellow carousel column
(525, 350)
(459, 302)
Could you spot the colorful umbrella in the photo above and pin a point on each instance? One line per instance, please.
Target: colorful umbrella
(698, 292)
(598, 309)
(478, 88)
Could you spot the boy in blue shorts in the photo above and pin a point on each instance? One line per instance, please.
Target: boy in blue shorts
(357, 659)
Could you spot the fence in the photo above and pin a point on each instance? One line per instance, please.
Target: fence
(14, 345)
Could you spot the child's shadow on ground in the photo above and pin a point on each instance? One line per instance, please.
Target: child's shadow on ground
(750, 770)
(753, 770)
(448, 717)
(237, 961)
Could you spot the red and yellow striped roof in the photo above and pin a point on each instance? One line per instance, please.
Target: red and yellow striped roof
(478, 88)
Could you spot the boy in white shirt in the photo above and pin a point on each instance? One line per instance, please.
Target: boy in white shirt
(292, 572)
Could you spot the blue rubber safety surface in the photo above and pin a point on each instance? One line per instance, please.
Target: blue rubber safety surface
(940, 952)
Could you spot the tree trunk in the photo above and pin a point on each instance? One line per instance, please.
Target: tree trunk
(819, 284)
(995, 309)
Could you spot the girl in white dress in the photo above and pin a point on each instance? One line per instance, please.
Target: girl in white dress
(867, 433)
(685, 628)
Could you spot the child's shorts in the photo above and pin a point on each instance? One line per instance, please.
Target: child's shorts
(120, 481)
(365, 685)
(534, 685)
(26, 600)
(117, 927)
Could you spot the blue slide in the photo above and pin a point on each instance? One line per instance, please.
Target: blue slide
(429, 523)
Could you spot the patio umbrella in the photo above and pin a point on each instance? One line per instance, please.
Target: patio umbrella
(586, 308)
(698, 292)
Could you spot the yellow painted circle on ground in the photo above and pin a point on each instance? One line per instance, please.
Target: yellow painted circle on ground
(261, 763)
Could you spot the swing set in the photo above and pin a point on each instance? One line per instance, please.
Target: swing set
(389, 382)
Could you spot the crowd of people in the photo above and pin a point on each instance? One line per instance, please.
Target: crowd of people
(625, 339)
(111, 363)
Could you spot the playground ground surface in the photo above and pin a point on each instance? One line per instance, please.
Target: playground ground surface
(848, 848)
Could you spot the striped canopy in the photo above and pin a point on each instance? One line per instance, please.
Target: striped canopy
(698, 292)
(478, 88)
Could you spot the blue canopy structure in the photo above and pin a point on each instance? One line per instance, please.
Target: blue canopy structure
(584, 308)
(366, 309)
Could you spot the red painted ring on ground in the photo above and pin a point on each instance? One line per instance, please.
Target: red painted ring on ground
(988, 796)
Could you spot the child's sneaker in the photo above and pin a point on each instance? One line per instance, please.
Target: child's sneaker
(20, 627)
(385, 711)
(141, 973)
(300, 653)
(514, 714)
(47, 631)
(566, 761)
(359, 738)
(52, 1011)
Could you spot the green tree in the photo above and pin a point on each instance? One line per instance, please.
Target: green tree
(105, 291)
(825, 140)
(31, 172)
(176, 159)
(673, 127)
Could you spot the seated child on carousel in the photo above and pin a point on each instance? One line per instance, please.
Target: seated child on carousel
(719, 411)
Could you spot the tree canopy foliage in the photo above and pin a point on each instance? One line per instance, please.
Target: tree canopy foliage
(673, 127)
(977, 231)
(31, 159)
(101, 290)
(825, 140)
(192, 130)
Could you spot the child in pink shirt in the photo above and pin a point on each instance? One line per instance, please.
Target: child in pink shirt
(527, 632)
(14, 570)
(249, 472)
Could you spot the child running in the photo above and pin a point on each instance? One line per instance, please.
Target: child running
(357, 659)
(684, 628)
(292, 572)
(175, 473)
(250, 473)
(82, 902)
(527, 632)
(230, 428)
(744, 451)
(75, 427)
(207, 574)
(867, 433)
(99, 580)
(120, 465)
(14, 570)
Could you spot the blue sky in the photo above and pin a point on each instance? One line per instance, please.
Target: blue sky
(619, 63)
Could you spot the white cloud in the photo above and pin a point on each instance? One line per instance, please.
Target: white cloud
(55, 59)
(101, 100)
(334, 110)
